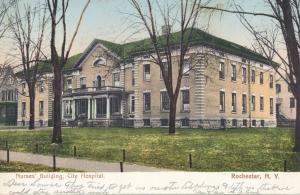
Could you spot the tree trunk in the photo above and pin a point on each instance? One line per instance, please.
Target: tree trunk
(172, 117)
(297, 128)
(31, 107)
(57, 89)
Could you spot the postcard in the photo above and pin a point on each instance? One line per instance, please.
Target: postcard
(149, 97)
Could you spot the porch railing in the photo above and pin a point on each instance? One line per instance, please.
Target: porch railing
(94, 89)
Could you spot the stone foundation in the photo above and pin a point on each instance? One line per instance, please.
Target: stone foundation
(157, 123)
(39, 123)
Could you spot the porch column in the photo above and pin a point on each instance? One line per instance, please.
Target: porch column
(108, 107)
(95, 108)
(73, 109)
(63, 109)
(89, 109)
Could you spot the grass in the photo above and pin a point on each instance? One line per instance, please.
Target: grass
(261, 149)
(24, 167)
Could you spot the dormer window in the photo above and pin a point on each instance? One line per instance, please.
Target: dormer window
(99, 61)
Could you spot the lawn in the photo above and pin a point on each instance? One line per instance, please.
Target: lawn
(261, 149)
(23, 167)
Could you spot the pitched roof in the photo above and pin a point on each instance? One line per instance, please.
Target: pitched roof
(45, 67)
(131, 49)
(198, 37)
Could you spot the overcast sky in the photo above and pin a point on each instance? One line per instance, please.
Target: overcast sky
(110, 20)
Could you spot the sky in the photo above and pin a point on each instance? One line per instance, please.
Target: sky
(112, 20)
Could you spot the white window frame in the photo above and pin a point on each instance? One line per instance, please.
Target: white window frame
(244, 74)
(147, 75)
(233, 102)
(222, 101)
(233, 72)
(185, 107)
(144, 101)
(116, 79)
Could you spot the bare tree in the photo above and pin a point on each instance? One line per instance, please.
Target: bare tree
(281, 42)
(28, 35)
(58, 60)
(5, 6)
(163, 47)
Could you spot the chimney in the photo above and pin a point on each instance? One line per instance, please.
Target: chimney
(165, 29)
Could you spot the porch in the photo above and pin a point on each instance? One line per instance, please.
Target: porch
(92, 104)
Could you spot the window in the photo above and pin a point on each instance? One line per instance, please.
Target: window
(261, 103)
(81, 107)
(23, 109)
(3, 96)
(271, 106)
(253, 123)
(132, 78)
(164, 101)
(278, 88)
(253, 102)
(82, 82)
(245, 123)
(271, 81)
(234, 123)
(68, 108)
(223, 123)
(147, 101)
(222, 101)
(164, 122)
(115, 105)
(147, 72)
(289, 89)
(244, 74)
(147, 122)
(244, 103)
(132, 104)
(262, 123)
(253, 75)
(41, 86)
(233, 72)
(69, 83)
(233, 102)
(261, 78)
(98, 82)
(185, 122)
(116, 79)
(186, 67)
(99, 61)
(292, 103)
(23, 88)
(221, 70)
(165, 67)
(185, 100)
(41, 108)
(101, 108)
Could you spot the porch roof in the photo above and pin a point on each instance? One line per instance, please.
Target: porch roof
(94, 91)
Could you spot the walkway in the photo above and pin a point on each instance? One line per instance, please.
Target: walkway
(74, 163)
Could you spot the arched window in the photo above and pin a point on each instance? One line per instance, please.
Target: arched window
(98, 81)
(99, 62)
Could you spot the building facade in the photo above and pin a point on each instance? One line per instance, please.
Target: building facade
(224, 86)
(8, 97)
(43, 102)
(285, 104)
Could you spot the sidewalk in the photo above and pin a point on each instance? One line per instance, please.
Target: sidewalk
(77, 164)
